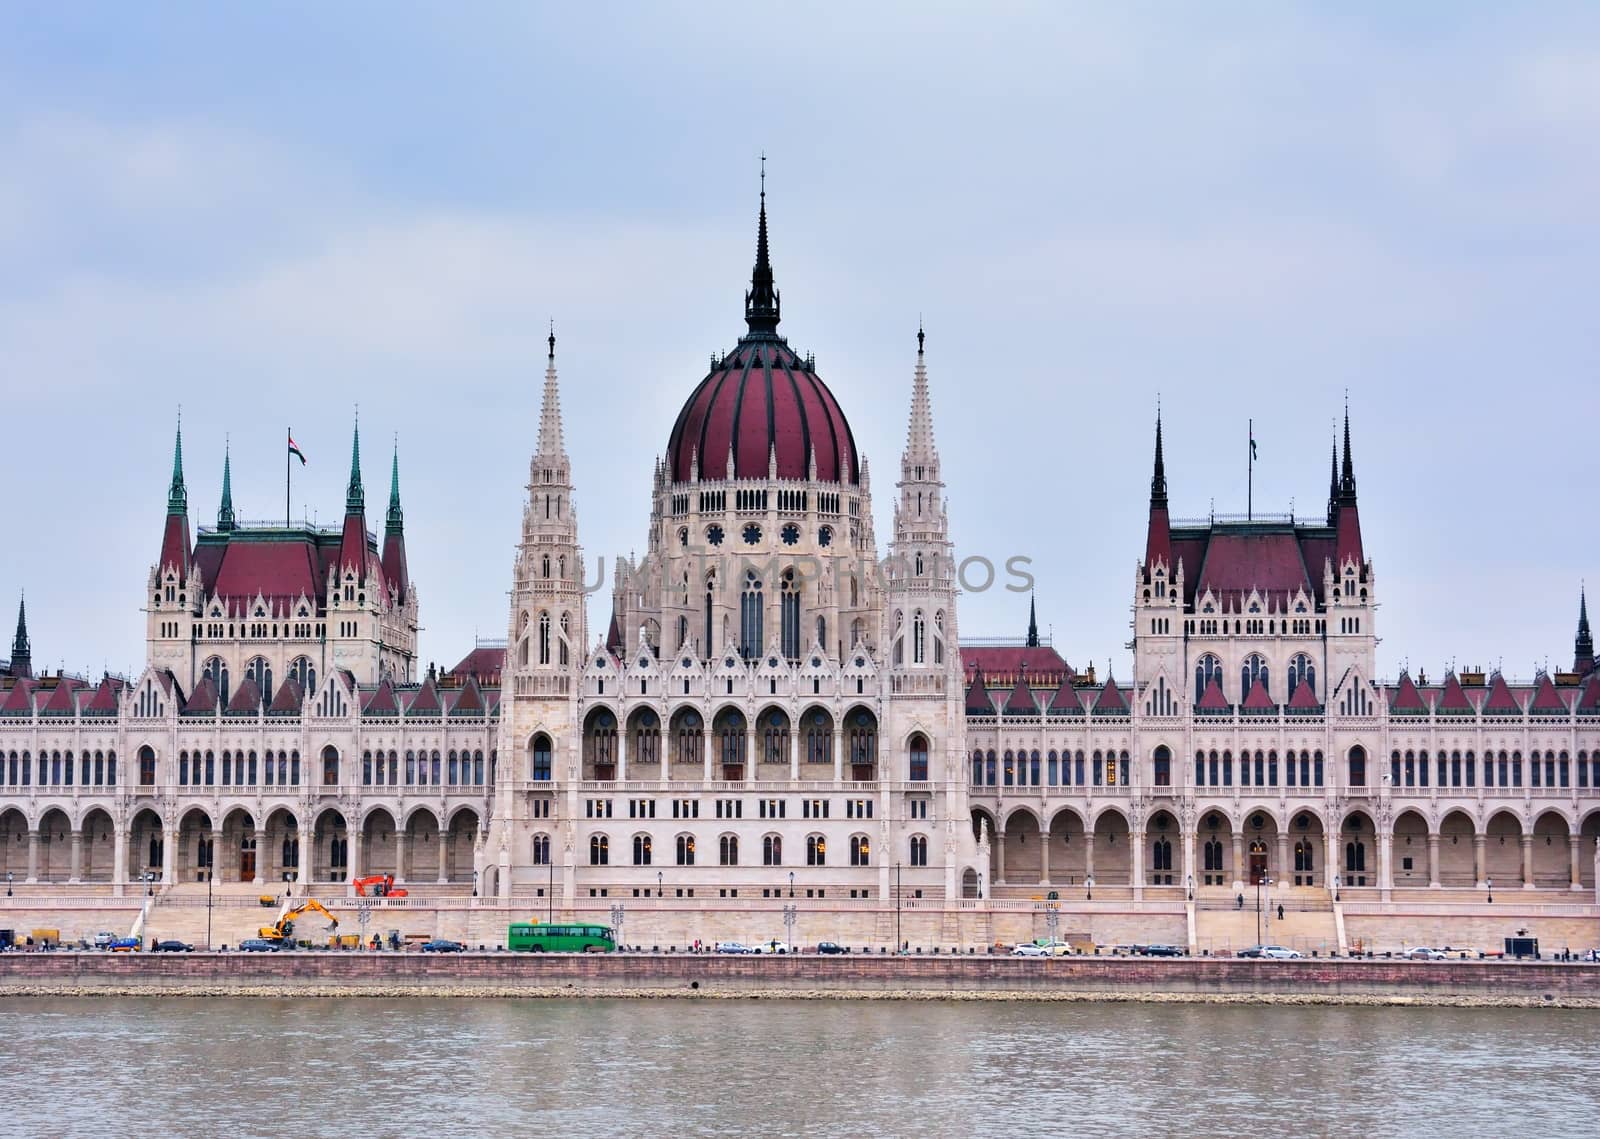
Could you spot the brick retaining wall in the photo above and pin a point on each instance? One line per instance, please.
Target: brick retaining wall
(484, 973)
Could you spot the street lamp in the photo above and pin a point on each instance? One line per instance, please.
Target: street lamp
(1489, 885)
(1189, 886)
(617, 915)
(791, 883)
(8, 883)
(980, 885)
(1260, 882)
(897, 892)
(1336, 884)
(1088, 888)
(789, 914)
(658, 883)
(474, 883)
(209, 877)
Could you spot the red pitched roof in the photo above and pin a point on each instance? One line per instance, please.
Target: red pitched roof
(19, 701)
(1304, 699)
(1111, 699)
(381, 701)
(1066, 701)
(485, 663)
(1454, 698)
(1406, 698)
(978, 701)
(1501, 702)
(203, 699)
(289, 699)
(1212, 699)
(1589, 703)
(1258, 699)
(1546, 699)
(60, 701)
(281, 571)
(470, 701)
(1236, 563)
(426, 700)
(105, 702)
(246, 699)
(1009, 661)
(1021, 700)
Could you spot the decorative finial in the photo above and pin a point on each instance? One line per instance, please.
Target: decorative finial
(552, 341)
(921, 335)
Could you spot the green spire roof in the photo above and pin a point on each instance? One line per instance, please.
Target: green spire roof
(396, 518)
(225, 511)
(177, 496)
(355, 499)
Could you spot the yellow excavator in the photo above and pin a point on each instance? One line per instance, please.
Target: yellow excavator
(284, 926)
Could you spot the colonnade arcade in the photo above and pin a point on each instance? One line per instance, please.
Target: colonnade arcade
(236, 844)
(1234, 847)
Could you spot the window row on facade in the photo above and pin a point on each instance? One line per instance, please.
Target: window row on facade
(685, 851)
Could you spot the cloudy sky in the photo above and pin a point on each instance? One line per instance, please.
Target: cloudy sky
(271, 213)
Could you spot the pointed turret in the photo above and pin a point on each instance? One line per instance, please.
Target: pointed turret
(1158, 536)
(1583, 646)
(394, 538)
(1333, 480)
(21, 651)
(353, 544)
(1033, 624)
(1348, 520)
(921, 452)
(762, 304)
(175, 548)
(552, 441)
(225, 520)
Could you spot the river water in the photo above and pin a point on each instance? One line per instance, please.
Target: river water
(498, 1067)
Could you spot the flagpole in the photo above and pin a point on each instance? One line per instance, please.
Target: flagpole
(1250, 477)
(287, 474)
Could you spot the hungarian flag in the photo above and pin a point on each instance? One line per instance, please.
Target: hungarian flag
(294, 450)
(1252, 446)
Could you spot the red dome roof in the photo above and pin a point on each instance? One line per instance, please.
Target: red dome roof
(761, 397)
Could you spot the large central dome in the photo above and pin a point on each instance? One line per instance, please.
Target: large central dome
(762, 401)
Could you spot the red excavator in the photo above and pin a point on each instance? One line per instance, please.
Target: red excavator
(378, 886)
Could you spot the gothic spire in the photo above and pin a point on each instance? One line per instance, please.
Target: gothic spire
(1333, 477)
(355, 498)
(762, 304)
(177, 495)
(552, 444)
(396, 519)
(1158, 479)
(225, 519)
(920, 447)
(21, 654)
(1347, 481)
(1033, 624)
(1583, 646)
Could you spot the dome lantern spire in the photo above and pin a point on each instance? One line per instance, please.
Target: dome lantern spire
(762, 304)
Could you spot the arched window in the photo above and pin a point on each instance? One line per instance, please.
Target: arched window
(1253, 672)
(1302, 671)
(860, 850)
(728, 850)
(919, 850)
(217, 670)
(919, 758)
(304, 674)
(1161, 855)
(599, 850)
(863, 744)
(1163, 767)
(541, 850)
(816, 850)
(919, 637)
(260, 671)
(752, 604)
(641, 850)
(147, 767)
(774, 737)
(789, 616)
(540, 771)
(771, 850)
(1206, 669)
(686, 850)
(544, 638)
(330, 766)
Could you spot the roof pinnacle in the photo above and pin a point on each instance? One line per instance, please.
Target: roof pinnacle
(396, 518)
(762, 307)
(355, 498)
(225, 520)
(177, 495)
(1158, 476)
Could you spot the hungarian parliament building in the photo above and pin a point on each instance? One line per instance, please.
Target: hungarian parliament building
(779, 708)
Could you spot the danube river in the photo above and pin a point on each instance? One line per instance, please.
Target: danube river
(498, 1067)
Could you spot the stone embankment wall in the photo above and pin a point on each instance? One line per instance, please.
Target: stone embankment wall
(505, 974)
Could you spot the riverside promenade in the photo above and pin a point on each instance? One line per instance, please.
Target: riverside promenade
(926, 977)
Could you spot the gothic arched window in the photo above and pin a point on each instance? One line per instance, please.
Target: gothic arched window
(789, 616)
(1302, 671)
(751, 606)
(1206, 669)
(1253, 672)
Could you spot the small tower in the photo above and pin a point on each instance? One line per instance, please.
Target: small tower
(225, 519)
(395, 571)
(1033, 623)
(1583, 645)
(21, 650)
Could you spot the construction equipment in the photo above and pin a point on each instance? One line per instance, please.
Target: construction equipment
(284, 927)
(378, 886)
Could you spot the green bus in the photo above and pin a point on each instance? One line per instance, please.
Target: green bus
(534, 937)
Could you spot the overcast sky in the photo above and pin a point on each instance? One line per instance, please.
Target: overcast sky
(271, 213)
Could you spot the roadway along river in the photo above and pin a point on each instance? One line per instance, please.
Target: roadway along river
(496, 1067)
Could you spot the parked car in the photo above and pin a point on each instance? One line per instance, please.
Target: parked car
(773, 946)
(442, 945)
(1252, 951)
(1029, 949)
(1279, 952)
(733, 947)
(103, 939)
(172, 946)
(1161, 951)
(1053, 948)
(830, 947)
(257, 945)
(1424, 953)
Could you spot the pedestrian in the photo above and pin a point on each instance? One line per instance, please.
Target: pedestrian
(1238, 902)
(1280, 911)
